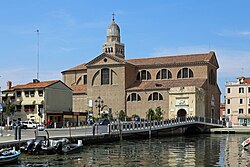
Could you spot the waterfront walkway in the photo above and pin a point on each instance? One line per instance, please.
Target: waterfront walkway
(116, 130)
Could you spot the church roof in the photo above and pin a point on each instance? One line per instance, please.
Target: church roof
(79, 89)
(77, 68)
(165, 84)
(163, 60)
(175, 60)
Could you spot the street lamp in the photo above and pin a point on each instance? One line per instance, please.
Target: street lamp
(99, 105)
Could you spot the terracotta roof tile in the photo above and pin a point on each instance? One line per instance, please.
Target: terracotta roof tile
(247, 80)
(77, 89)
(165, 84)
(76, 68)
(172, 59)
(32, 85)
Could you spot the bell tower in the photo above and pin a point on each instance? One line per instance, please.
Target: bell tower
(113, 45)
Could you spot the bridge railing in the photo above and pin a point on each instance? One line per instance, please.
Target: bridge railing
(138, 125)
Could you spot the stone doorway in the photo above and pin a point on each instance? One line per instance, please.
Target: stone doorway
(182, 113)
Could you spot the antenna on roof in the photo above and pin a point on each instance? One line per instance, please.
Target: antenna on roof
(37, 75)
(242, 71)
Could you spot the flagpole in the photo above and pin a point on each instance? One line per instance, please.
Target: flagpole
(37, 76)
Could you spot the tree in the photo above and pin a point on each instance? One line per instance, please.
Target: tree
(158, 113)
(150, 114)
(122, 115)
(9, 110)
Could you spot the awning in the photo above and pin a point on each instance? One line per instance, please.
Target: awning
(10, 94)
(67, 116)
(243, 117)
(28, 102)
(3, 95)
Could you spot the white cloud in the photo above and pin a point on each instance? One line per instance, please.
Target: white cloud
(234, 33)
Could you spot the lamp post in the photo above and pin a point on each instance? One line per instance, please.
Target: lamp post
(98, 105)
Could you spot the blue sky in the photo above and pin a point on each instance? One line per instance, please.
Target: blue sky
(72, 32)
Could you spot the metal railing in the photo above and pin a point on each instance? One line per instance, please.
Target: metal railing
(135, 125)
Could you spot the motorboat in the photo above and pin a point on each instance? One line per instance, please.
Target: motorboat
(69, 148)
(42, 145)
(9, 156)
(245, 143)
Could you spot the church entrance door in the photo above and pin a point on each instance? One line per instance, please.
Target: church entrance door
(182, 113)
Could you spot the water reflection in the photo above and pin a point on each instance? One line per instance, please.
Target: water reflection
(200, 150)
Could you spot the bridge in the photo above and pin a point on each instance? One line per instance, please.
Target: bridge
(178, 126)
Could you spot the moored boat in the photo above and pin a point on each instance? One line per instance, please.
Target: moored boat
(9, 156)
(245, 143)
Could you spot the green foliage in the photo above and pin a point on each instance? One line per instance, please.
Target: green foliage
(154, 115)
(150, 114)
(135, 115)
(158, 113)
(9, 108)
(122, 115)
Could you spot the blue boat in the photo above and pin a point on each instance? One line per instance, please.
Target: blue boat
(9, 156)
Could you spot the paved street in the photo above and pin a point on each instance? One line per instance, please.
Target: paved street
(26, 134)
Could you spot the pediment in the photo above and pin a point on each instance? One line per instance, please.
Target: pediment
(105, 59)
(213, 59)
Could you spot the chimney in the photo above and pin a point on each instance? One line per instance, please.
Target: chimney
(9, 84)
(36, 81)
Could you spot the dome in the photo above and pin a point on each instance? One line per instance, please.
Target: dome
(113, 29)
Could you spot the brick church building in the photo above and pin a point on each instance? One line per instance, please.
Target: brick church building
(183, 85)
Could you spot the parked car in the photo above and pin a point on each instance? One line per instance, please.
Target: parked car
(41, 127)
(29, 124)
(104, 121)
(17, 123)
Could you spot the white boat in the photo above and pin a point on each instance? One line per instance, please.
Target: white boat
(245, 143)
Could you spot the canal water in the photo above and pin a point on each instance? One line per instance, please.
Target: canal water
(197, 150)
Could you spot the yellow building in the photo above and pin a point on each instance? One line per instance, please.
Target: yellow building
(183, 85)
(39, 101)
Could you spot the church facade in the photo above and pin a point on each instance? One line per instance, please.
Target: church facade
(183, 85)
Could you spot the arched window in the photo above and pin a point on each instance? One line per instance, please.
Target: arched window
(185, 73)
(164, 74)
(134, 97)
(169, 75)
(105, 76)
(155, 96)
(143, 75)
